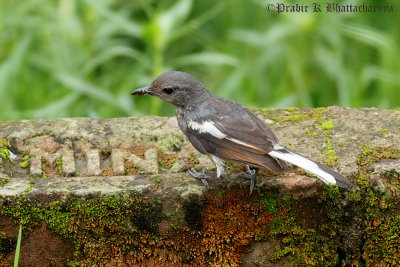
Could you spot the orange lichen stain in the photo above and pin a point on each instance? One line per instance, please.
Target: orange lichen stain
(108, 172)
(230, 223)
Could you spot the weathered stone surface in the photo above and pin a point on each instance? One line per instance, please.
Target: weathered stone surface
(256, 255)
(14, 187)
(90, 146)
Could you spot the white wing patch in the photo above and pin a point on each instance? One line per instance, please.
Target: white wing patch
(304, 163)
(207, 127)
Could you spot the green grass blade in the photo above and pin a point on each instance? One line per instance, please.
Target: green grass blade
(18, 248)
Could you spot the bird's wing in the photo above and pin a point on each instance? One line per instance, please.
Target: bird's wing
(232, 138)
(238, 132)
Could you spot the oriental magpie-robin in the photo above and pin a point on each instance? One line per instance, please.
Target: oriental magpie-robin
(225, 130)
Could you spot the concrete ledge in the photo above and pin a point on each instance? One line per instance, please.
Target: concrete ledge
(152, 145)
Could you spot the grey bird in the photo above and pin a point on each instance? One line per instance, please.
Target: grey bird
(226, 130)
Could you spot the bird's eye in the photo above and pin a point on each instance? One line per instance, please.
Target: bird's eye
(168, 90)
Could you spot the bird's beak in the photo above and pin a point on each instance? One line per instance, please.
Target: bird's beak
(142, 91)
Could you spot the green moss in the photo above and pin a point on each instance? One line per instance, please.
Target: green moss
(362, 179)
(59, 165)
(29, 189)
(383, 131)
(96, 226)
(371, 155)
(293, 115)
(330, 154)
(310, 247)
(156, 178)
(382, 233)
(22, 212)
(166, 160)
(41, 134)
(192, 160)
(130, 167)
(317, 245)
(125, 228)
(4, 143)
(309, 231)
(25, 161)
(4, 180)
(170, 142)
(312, 134)
(4, 152)
(327, 125)
(279, 253)
(382, 246)
(270, 202)
(355, 196)
(310, 243)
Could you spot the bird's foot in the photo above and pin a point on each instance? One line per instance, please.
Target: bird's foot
(202, 176)
(251, 175)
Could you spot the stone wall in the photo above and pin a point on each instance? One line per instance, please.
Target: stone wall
(117, 191)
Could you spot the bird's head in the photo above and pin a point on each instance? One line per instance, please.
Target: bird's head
(176, 87)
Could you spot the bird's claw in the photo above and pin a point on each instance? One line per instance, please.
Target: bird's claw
(251, 175)
(202, 176)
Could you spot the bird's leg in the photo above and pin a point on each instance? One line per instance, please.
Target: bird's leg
(220, 167)
(202, 176)
(250, 174)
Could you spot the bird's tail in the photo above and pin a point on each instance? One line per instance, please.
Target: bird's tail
(324, 173)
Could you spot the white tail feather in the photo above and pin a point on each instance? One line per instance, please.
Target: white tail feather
(304, 163)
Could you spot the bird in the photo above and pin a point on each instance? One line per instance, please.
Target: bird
(227, 131)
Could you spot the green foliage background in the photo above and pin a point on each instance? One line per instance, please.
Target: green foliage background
(71, 58)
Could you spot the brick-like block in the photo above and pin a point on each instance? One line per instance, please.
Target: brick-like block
(93, 163)
(68, 163)
(117, 161)
(36, 166)
(146, 166)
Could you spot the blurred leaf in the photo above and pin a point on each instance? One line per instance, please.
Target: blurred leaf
(117, 18)
(206, 58)
(195, 23)
(170, 19)
(113, 52)
(372, 73)
(273, 36)
(12, 65)
(288, 101)
(85, 88)
(366, 35)
(59, 108)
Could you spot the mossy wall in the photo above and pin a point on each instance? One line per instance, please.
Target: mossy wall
(168, 219)
(333, 227)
